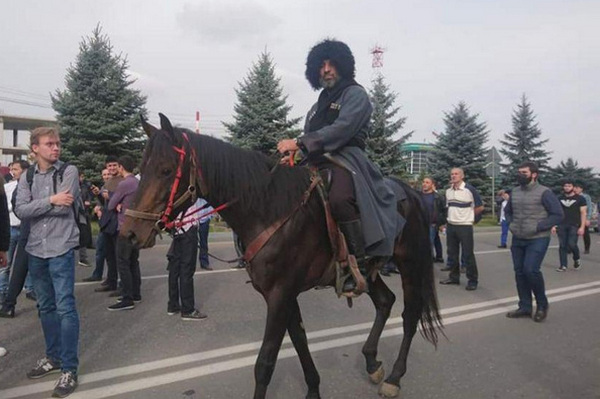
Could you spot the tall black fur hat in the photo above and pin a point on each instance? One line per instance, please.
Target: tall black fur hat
(338, 53)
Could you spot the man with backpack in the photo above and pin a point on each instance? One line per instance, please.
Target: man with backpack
(54, 235)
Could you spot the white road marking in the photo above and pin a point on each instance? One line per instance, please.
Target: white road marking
(220, 366)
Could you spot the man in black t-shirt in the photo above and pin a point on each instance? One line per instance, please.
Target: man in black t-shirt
(572, 226)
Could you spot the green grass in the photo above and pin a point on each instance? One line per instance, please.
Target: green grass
(487, 221)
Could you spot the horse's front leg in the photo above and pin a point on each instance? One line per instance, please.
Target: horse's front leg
(383, 299)
(298, 337)
(277, 321)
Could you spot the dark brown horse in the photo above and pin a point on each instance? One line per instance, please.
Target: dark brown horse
(298, 255)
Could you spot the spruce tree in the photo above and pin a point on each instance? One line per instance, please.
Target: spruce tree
(523, 143)
(261, 112)
(382, 147)
(98, 111)
(462, 144)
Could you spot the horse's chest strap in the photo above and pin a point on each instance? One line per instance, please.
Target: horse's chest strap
(261, 240)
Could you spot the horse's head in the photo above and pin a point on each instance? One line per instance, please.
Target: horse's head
(167, 184)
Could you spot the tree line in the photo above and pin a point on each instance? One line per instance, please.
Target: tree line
(99, 115)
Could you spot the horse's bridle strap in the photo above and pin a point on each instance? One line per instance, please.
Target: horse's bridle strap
(143, 215)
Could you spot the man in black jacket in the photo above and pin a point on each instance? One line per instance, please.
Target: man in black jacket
(435, 205)
(334, 138)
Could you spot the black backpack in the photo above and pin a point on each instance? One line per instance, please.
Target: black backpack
(85, 231)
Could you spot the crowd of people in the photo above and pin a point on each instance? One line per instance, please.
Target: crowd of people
(530, 211)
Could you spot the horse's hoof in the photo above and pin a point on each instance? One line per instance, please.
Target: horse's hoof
(377, 376)
(389, 390)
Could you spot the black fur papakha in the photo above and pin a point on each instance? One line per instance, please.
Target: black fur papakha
(338, 53)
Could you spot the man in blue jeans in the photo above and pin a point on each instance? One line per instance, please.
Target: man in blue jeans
(48, 205)
(532, 211)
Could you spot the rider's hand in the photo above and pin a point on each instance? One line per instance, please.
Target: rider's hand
(553, 230)
(64, 198)
(285, 160)
(581, 231)
(287, 145)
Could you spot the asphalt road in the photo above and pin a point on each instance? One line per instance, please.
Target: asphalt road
(144, 353)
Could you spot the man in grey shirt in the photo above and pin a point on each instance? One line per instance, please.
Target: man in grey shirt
(48, 205)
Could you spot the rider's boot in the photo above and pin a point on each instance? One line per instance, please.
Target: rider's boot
(355, 241)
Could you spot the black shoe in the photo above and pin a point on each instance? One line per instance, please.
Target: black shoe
(66, 385)
(540, 315)
(446, 269)
(7, 312)
(586, 252)
(449, 281)
(239, 266)
(384, 272)
(194, 315)
(122, 305)
(104, 283)
(43, 367)
(515, 314)
(206, 268)
(136, 299)
(90, 279)
(577, 264)
(83, 264)
(438, 260)
(105, 288)
(471, 286)
(115, 294)
(502, 246)
(31, 296)
(173, 311)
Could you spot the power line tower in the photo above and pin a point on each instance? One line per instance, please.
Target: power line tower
(377, 53)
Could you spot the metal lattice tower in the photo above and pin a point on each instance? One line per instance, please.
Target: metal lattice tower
(377, 52)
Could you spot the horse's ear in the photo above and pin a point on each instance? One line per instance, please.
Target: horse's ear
(165, 124)
(148, 128)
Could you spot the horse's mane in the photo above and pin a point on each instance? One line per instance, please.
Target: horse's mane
(232, 172)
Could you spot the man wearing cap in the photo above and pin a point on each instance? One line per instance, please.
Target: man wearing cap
(334, 138)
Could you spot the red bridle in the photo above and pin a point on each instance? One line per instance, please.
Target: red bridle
(163, 219)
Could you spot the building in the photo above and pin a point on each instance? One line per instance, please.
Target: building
(14, 140)
(415, 155)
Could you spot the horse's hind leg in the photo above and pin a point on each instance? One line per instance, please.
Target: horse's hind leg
(277, 321)
(298, 337)
(383, 299)
(410, 316)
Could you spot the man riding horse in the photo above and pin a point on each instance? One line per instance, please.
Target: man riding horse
(335, 134)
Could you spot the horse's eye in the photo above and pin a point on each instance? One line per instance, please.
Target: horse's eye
(166, 172)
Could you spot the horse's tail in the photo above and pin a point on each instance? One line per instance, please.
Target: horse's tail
(421, 256)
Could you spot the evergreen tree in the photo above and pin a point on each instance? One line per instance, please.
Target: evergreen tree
(462, 145)
(99, 112)
(553, 178)
(382, 148)
(523, 143)
(261, 113)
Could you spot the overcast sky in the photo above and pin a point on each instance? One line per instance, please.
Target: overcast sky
(190, 55)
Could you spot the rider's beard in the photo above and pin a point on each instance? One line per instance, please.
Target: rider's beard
(328, 83)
